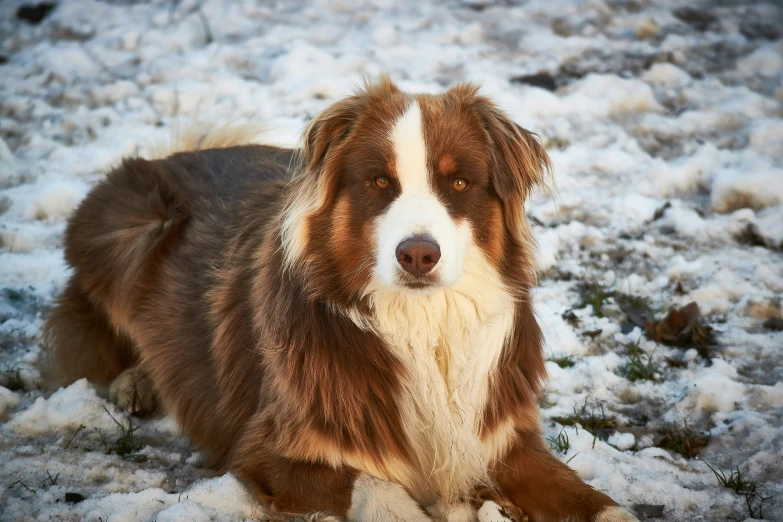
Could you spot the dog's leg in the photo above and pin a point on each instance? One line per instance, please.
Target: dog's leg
(297, 487)
(134, 391)
(83, 342)
(549, 491)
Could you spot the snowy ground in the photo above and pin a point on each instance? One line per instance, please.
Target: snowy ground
(665, 129)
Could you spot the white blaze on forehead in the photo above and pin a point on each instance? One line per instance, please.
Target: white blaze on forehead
(417, 210)
(410, 152)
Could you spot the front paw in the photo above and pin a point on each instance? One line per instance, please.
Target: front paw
(134, 391)
(376, 500)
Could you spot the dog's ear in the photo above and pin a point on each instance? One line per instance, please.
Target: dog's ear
(517, 161)
(328, 129)
(318, 156)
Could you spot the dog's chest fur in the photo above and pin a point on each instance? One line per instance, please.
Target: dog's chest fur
(449, 342)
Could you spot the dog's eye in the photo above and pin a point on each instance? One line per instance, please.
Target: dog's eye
(382, 181)
(460, 184)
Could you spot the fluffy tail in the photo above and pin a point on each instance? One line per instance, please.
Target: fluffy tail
(200, 135)
(115, 242)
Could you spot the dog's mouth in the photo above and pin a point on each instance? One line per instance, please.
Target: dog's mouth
(418, 283)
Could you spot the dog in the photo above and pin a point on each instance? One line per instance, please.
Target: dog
(348, 326)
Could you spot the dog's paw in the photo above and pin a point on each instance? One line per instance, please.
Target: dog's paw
(134, 391)
(376, 500)
(492, 512)
(615, 514)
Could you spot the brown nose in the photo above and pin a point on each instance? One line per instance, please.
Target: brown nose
(418, 255)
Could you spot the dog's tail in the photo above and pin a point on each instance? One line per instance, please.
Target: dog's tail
(115, 241)
(196, 135)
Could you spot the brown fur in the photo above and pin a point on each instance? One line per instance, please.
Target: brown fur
(179, 264)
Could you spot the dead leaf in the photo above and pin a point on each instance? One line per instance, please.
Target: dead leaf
(675, 323)
(681, 327)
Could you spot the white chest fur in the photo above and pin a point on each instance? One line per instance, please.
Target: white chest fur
(450, 341)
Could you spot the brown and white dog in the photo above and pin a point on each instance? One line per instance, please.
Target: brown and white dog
(357, 338)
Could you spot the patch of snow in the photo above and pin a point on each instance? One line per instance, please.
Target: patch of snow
(66, 409)
(622, 441)
(733, 190)
(8, 400)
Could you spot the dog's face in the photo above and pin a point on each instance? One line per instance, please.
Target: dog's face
(405, 191)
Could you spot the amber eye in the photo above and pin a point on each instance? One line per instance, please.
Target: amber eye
(460, 184)
(382, 181)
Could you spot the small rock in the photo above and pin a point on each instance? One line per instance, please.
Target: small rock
(760, 29)
(699, 19)
(649, 510)
(73, 498)
(35, 13)
(774, 323)
(543, 80)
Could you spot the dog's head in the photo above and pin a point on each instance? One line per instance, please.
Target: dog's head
(410, 192)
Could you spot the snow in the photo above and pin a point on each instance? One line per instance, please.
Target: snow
(56, 199)
(8, 400)
(667, 143)
(733, 190)
(65, 409)
(622, 441)
(666, 75)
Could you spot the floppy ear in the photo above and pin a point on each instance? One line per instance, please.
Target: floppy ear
(329, 128)
(312, 185)
(518, 161)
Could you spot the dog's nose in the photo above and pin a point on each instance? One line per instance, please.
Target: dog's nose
(418, 255)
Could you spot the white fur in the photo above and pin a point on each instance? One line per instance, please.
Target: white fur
(294, 225)
(376, 500)
(417, 210)
(450, 341)
(449, 338)
(615, 514)
(461, 512)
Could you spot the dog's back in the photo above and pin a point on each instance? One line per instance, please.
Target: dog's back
(138, 234)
